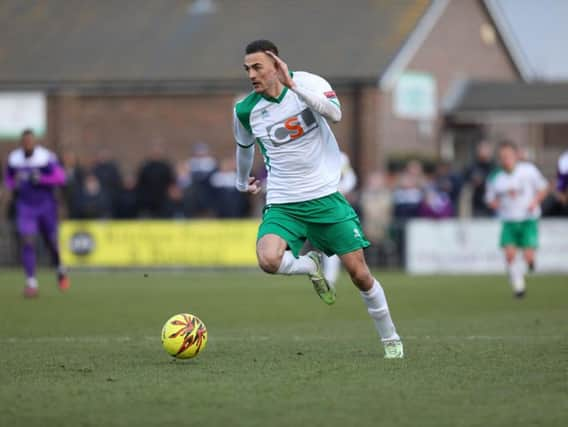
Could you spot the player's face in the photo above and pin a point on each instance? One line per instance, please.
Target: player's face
(508, 158)
(28, 143)
(261, 71)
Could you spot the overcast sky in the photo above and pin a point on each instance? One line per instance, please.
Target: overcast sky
(541, 27)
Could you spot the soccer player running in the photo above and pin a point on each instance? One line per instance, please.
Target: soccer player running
(516, 191)
(286, 115)
(32, 173)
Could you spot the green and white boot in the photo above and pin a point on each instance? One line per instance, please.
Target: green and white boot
(393, 349)
(325, 290)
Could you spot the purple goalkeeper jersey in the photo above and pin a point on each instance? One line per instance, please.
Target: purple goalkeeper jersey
(562, 183)
(34, 178)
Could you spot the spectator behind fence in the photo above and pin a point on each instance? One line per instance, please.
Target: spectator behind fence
(229, 202)
(127, 205)
(376, 206)
(183, 174)
(447, 181)
(200, 198)
(92, 201)
(436, 204)
(174, 206)
(75, 176)
(436, 200)
(108, 174)
(476, 176)
(407, 195)
(154, 178)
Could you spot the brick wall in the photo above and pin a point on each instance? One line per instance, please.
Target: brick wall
(128, 126)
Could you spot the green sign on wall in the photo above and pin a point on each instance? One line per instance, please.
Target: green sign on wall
(415, 96)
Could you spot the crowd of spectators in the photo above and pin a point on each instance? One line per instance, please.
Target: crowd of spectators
(435, 191)
(203, 187)
(198, 187)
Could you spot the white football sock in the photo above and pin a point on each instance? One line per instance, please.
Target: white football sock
(516, 272)
(31, 282)
(331, 266)
(293, 265)
(378, 309)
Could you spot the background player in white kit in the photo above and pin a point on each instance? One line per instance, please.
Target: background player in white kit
(286, 115)
(516, 192)
(347, 183)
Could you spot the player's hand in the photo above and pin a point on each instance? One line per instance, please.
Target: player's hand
(282, 71)
(254, 186)
(534, 204)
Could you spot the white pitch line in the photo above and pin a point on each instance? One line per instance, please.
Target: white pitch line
(122, 339)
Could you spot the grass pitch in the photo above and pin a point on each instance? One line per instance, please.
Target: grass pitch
(277, 356)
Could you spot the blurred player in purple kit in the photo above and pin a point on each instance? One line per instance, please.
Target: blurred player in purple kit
(562, 181)
(32, 173)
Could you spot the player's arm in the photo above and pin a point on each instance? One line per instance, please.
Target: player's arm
(542, 188)
(318, 95)
(540, 196)
(245, 158)
(52, 174)
(491, 198)
(320, 102)
(10, 177)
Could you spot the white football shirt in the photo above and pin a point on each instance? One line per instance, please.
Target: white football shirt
(299, 149)
(515, 191)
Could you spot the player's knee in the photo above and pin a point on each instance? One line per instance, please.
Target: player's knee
(510, 255)
(269, 262)
(28, 240)
(361, 276)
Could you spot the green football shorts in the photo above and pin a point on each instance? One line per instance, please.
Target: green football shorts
(522, 234)
(330, 224)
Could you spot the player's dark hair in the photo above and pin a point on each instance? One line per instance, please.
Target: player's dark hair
(261, 46)
(507, 143)
(27, 132)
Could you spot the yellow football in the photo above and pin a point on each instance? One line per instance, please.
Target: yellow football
(184, 336)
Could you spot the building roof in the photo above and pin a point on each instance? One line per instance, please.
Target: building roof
(67, 42)
(535, 34)
(479, 101)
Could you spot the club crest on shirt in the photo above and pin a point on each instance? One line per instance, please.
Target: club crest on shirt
(292, 128)
(356, 233)
(514, 192)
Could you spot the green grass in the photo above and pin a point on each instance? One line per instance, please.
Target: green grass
(277, 356)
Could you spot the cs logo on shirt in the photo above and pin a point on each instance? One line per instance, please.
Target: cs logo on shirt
(292, 128)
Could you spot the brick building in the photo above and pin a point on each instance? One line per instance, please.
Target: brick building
(124, 75)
